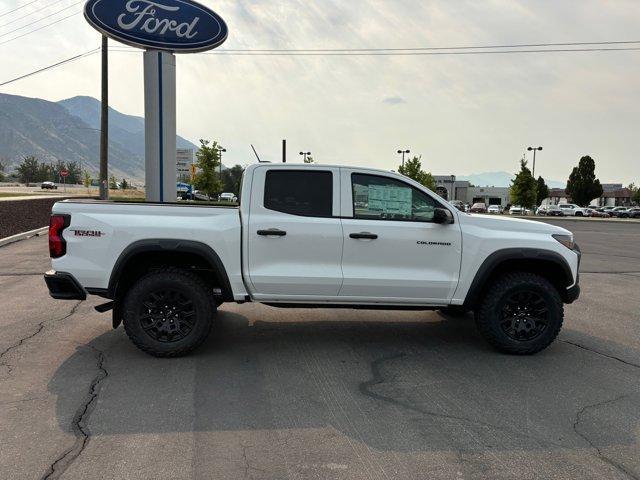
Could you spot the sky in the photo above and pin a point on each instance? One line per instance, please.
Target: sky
(463, 114)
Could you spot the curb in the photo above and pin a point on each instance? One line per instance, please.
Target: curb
(579, 219)
(23, 236)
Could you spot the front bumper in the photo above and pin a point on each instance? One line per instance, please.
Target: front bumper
(573, 293)
(64, 286)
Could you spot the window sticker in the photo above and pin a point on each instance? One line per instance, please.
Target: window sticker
(390, 200)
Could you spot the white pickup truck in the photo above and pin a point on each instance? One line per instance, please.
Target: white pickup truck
(312, 236)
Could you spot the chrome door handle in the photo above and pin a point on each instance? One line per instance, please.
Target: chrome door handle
(364, 236)
(273, 232)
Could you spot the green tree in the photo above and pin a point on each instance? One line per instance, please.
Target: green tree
(2, 167)
(583, 186)
(413, 169)
(45, 173)
(75, 173)
(28, 169)
(231, 178)
(124, 185)
(635, 193)
(523, 187)
(113, 182)
(86, 181)
(542, 191)
(208, 179)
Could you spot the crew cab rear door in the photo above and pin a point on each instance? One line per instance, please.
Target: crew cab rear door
(393, 251)
(294, 235)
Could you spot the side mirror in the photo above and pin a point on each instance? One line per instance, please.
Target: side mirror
(442, 216)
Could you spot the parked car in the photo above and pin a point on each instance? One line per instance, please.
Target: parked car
(48, 186)
(607, 210)
(595, 213)
(458, 204)
(297, 239)
(516, 210)
(552, 211)
(572, 210)
(478, 208)
(228, 197)
(494, 209)
(634, 212)
(620, 212)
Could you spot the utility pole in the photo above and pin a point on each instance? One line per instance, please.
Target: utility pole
(534, 150)
(104, 123)
(284, 151)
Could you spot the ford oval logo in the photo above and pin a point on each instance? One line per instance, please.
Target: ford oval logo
(174, 25)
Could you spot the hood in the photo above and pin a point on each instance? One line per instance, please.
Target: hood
(510, 224)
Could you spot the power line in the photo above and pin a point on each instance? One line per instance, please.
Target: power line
(40, 28)
(384, 53)
(31, 13)
(417, 49)
(40, 19)
(49, 67)
(18, 8)
(455, 50)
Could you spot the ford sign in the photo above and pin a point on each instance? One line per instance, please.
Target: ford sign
(173, 25)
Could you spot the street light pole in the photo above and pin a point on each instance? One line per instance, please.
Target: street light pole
(305, 155)
(221, 150)
(403, 152)
(534, 150)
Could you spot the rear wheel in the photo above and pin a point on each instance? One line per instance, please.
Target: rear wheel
(169, 312)
(521, 314)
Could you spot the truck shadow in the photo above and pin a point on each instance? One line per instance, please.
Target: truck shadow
(410, 385)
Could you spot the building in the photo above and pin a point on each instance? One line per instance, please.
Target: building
(489, 195)
(184, 159)
(614, 195)
(449, 188)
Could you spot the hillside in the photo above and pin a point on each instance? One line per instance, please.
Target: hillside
(66, 131)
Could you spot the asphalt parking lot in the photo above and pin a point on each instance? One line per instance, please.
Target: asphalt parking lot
(323, 394)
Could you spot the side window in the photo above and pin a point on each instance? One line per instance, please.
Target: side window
(296, 192)
(381, 198)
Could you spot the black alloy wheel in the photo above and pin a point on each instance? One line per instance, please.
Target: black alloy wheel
(167, 315)
(524, 315)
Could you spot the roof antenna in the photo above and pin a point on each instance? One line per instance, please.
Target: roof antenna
(257, 156)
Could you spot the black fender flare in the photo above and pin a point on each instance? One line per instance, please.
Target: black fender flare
(493, 261)
(167, 246)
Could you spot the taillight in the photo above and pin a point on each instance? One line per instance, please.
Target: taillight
(57, 245)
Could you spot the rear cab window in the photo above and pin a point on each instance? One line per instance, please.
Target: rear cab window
(307, 193)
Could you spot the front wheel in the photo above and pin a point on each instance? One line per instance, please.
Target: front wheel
(521, 314)
(169, 312)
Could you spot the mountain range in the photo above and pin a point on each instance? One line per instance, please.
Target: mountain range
(500, 179)
(69, 131)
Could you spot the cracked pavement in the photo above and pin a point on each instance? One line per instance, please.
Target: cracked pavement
(323, 394)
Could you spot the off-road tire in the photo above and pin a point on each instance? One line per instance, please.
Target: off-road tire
(189, 286)
(489, 313)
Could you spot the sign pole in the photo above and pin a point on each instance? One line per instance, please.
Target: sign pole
(160, 125)
(104, 123)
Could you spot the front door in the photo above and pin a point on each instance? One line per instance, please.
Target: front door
(294, 234)
(393, 251)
